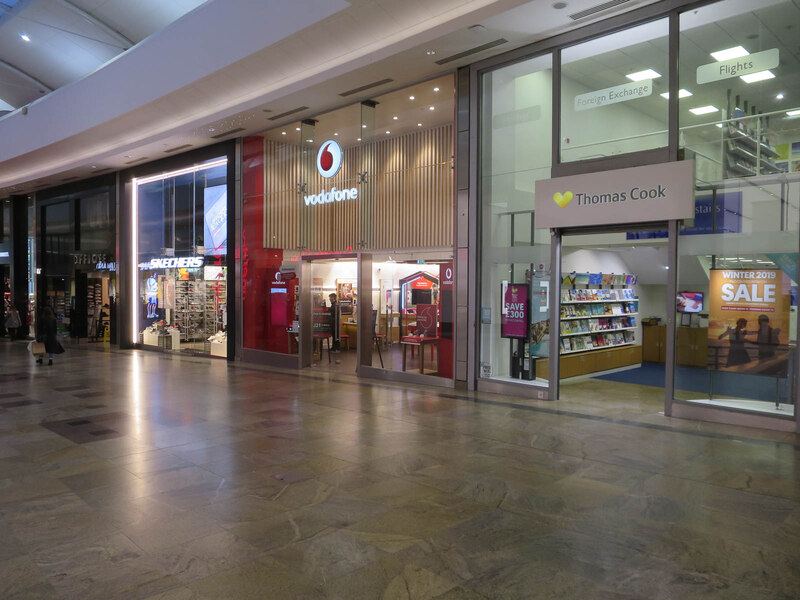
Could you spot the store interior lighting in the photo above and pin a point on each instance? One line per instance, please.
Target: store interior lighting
(642, 75)
(703, 110)
(729, 53)
(760, 76)
(682, 93)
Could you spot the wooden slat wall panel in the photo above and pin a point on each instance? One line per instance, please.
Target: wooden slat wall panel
(410, 191)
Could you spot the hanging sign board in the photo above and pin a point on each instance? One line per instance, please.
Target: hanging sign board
(612, 95)
(748, 321)
(659, 192)
(737, 67)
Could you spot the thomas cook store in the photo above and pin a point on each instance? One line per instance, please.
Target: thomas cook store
(347, 239)
(638, 214)
(176, 263)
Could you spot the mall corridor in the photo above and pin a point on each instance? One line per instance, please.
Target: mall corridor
(129, 475)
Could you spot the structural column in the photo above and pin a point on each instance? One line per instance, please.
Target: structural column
(19, 259)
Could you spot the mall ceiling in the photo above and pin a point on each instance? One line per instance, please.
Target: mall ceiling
(224, 69)
(47, 44)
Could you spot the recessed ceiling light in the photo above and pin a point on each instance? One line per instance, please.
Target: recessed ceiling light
(283, 133)
(780, 96)
(394, 118)
(388, 132)
(703, 110)
(729, 53)
(419, 124)
(793, 113)
(430, 52)
(760, 76)
(682, 93)
(94, 166)
(24, 37)
(297, 129)
(334, 133)
(436, 89)
(363, 127)
(310, 141)
(431, 108)
(411, 97)
(358, 139)
(642, 75)
(211, 130)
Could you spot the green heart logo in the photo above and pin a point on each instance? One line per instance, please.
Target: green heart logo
(562, 199)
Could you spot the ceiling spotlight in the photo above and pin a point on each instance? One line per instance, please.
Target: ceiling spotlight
(363, 126)
(310, 141)
(297, 129)
(419, 124)
(24, 37)
(703, 110)
(411, 97)
(94, 166)
(334, 133)
(642, 75)
(760, 76)
(388, 132)
(394, 118)
(283, 133)
(358, 139)
(430, 52)
(436, 89)
(431, 108)
(780, 96)
(729, 53)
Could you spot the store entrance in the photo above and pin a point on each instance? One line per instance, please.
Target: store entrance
(334, 295)
(613, 303)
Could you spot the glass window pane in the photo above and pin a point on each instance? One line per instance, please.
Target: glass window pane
(516, 123)
(737, 310)
(613, 93)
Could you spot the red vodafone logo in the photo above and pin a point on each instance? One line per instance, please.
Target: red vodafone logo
(329, 158)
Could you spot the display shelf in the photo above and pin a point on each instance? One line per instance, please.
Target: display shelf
(573, 318)
(598, 331)
(566, 352)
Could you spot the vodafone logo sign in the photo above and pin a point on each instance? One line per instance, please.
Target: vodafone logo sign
(329, 158)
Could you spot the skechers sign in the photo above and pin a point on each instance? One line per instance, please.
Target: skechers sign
(329, 161)
(636, 195)
(183, 262)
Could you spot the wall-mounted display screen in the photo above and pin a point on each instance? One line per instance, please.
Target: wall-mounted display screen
(690, 302)
(216, 220)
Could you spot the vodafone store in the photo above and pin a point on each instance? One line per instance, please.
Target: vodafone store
(347, 239)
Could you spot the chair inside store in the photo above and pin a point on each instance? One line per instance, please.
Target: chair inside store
(334, 301)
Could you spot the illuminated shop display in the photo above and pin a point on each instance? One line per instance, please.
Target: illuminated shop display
(179, 234)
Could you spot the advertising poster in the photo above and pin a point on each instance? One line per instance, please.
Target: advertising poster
(427, 320)
(748, 321)
(540, 317)
(514, 314)
(215, 208)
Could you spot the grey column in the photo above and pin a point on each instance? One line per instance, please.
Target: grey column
(19, 258)
(465, 237)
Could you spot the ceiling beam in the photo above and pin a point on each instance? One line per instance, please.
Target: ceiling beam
(26, 76)
(105, 27)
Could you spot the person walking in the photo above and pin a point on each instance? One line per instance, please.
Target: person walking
(13, 322)
(47, 332)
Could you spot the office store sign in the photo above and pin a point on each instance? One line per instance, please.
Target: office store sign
(329, 162)
(660, 192)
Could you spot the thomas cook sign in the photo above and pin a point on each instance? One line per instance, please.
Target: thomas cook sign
(636, 195)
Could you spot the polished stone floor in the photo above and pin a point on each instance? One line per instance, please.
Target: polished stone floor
(129, 475)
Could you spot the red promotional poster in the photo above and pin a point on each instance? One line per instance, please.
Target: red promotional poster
(426, 320)
(514, 313)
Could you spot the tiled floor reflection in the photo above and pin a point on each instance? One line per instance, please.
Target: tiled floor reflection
(138, 476)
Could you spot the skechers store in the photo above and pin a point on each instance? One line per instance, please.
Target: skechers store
(76, 271)
(637, 203)
(347, 239)
(175, 255)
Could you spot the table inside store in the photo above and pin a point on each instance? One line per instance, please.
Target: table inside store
(413, 341)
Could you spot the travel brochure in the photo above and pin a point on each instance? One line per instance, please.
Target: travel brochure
(596, 340)
(574, 326)
(593, 295)
(597, 309)
(604, 279)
